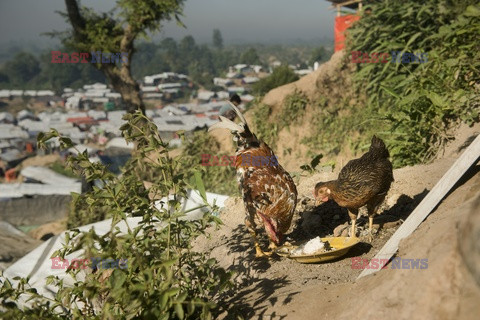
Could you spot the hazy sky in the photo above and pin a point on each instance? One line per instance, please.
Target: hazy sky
(240, 20)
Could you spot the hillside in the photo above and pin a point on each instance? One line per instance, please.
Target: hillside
(284, 289)
(330, 82)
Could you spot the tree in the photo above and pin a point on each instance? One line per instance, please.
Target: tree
(92, 32)
(188, 45)
(280, 76)
(23, 68)
(250, 57)
(57, 76)
(217, 39)
(4, 78)
(318, 54)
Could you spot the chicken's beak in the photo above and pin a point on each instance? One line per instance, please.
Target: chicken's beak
(318, 202)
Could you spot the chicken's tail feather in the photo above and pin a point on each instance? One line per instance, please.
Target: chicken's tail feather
(239, 114)
(379, 148)
(230, 125)
(225, 123)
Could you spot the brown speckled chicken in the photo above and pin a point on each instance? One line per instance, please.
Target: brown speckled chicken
(363, 181)
(268, 191)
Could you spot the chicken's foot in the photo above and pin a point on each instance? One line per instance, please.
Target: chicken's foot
(258, 251)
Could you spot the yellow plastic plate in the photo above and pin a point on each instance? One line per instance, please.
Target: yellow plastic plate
(339, 245)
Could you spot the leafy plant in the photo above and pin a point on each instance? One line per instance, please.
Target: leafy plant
(293, 109)
(280, 76)
(164, 278)
(264, 129)
(218, 177)
(421, 101)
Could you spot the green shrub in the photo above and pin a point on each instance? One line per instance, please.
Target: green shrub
(293, 109)
(165, 277)
(280, 76)
(217, 178)
(421, 101)
(58, 167)
(263, 129)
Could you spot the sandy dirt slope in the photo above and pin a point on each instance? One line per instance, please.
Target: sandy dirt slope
(328, 80)
(283, 289)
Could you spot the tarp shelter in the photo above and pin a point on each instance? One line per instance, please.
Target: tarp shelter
(47, 176)
(45, 182)
(119, 142)
(342, 23)
(19, 190)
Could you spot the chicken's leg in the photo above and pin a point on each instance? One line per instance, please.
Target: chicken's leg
(353, 216)
(251, 228)
(370, 227)
(372, 208)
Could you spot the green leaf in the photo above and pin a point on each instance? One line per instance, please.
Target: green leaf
(179, 311)
(472, 11)
(436, 99)
(172, 292)
(390, 92)
(190, 308)
(118, 279)
(200, 185)
(163, 300)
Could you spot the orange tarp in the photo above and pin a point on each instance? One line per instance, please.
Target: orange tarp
(342, 23)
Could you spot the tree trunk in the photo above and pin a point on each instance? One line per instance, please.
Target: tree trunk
(124, 84)
(119, 77)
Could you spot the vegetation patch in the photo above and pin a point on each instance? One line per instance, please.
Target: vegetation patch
(412, 106)
(164, 278)
(280, 76)
(217, 177)
(421, 101)
(263, 129)
(293, 109)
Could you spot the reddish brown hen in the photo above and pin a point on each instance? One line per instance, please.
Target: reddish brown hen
(363, 181)
(268, 191)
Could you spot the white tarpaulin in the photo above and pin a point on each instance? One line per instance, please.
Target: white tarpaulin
(52, 183)
(18, 190)
(47, 176)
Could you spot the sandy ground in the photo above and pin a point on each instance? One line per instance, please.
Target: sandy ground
(280, 288)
